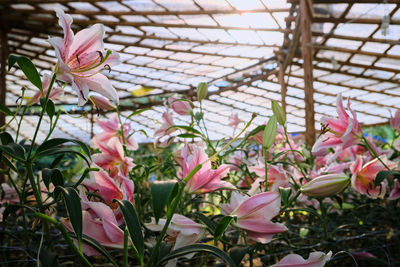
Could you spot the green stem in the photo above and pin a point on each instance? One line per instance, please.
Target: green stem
(64, 233)
(19, 123)
(266, 168)
(294, 155)
(41, 115)
(367, 144)
(126, 247)
(122, 130)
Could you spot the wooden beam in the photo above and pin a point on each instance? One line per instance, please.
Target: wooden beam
(3, 70)
(306, 50)
(281, 79)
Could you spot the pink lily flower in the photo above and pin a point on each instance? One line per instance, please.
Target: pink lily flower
(165, 128)
(180, 107)
(81, 59)
(344, 130)
(54, 93)
(363, 178)
(254, 214)
(315, 259)
(112, 128)
(234, 120)
(185, 230)
(205, 180)
(395, 193)
(277, 176)
(236, 161)
(109, 188)
(99, 222)
(113, 159)
(395, 121)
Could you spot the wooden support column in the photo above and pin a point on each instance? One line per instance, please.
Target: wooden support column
(281, 79)
(3, 70)
(307, 55)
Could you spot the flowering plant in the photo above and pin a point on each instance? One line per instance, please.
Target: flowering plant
(254, 198)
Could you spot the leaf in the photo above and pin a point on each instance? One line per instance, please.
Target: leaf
(187, 136)
(270, 132)
(6, 110)
(382, 175)
(58, 141)
(221, 227)
(137, 112)
(55, 151)
(97, 246)
(133, 224)
(285, 195)
(50, 108)
(8, 163)
(9, 210)
(14, 150)
(198, 248)
(6, 138)
(204, 219)
(173, 194)
(74, 209)
(237, 254)
(160, 192)
(52, 175)
(28, 69)
(187, 128)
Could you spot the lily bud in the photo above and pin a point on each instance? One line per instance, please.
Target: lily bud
(179, 106)
(279, 113)
(101, 102)
(270, 132)
(326, 185)
(202, 91)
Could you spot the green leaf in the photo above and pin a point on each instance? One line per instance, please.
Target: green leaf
(187, 136)
(137, 112)
(74, 209)
(97, 246)
(55, 151)
(198, 248)
(382, 175)
(187, 128)
(285, 195)
(221, 227)
(204, 219)
(50, 108)
(160, 192)
(10, 209)
(6, 138)
(14, 150)
(6, 110)
(133, 224)
(237, 254)
(52, 175)
(28, 69)
(8, 163)
(270, 132)
(58, 141)
(173, 194)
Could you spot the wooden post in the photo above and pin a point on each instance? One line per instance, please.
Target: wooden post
(3, 70)
(281, 78)
(306, 51)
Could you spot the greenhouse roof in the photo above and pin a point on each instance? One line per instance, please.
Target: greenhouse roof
(249, 52)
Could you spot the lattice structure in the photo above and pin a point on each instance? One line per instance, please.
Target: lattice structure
(248, 51)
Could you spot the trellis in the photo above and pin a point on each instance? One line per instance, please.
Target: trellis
(300, 52)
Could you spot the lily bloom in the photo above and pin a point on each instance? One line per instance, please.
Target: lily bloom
(81, 58)
(112, 128)
(315, 259)
(234, 120)
(277, 176)
(180, 107)
(344, 130)
(185, 230)
(113, 159)
(99, 223)
(54, 93)
(254, 214)
(165, 128)
(363, 178)
(205, 180)
(395, 121)
(108, 188)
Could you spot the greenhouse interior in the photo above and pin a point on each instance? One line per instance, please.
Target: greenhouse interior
(205, 132)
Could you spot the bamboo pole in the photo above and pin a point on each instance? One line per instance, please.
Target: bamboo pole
(3, 70)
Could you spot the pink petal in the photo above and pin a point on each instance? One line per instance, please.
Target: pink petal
(102, 85)
(259, 201)
(88, 40)
(316, 259)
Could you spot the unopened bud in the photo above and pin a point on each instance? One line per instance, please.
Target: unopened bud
(326, 185)
(279, 112)
(101, 102)
(270, 132)
(202, 91)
